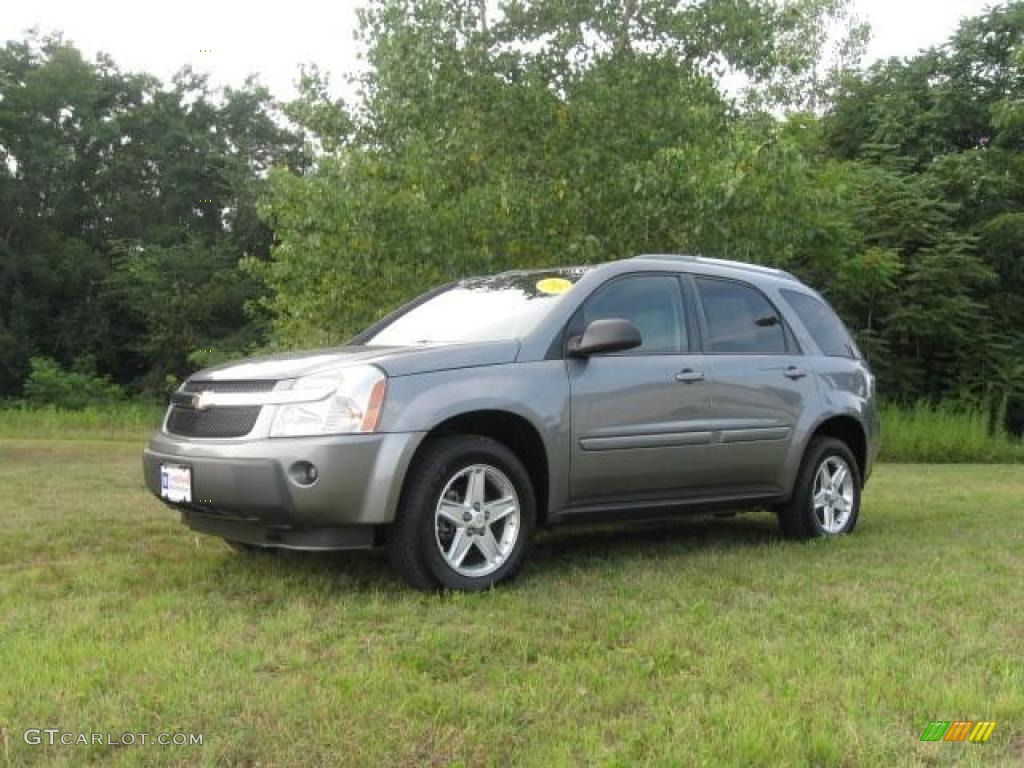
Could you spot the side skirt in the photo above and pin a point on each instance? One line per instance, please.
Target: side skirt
(629, 509)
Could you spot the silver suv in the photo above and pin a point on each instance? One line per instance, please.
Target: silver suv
(455, 426)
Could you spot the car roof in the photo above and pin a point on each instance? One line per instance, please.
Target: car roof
(682, 262)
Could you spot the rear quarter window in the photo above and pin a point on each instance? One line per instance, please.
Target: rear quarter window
(822, 323)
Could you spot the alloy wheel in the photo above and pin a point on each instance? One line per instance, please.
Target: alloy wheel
(833, 494)
(477, 520)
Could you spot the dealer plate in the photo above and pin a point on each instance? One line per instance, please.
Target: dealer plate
(176, 483)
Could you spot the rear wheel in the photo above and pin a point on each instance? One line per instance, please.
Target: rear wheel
(826, 498)
(466, 517)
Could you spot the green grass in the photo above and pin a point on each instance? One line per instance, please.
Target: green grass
(944, 434)
(129, 421)
(697, 642)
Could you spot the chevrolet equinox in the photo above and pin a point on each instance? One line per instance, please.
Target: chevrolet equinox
(454, 427)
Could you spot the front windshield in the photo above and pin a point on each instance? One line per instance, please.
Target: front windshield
(506, 306)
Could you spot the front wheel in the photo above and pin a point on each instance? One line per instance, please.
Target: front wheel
(466, 518)
(826, 499)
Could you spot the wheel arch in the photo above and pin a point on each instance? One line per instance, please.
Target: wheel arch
(849, 430)
(515, 432)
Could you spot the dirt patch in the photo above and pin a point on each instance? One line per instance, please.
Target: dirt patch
(1016, 747)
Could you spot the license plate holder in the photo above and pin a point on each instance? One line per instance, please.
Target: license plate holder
(176, 483)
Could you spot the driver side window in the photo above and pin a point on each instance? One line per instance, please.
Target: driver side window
(653, 303)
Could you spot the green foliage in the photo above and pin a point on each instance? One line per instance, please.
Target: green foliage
(49, 384)
(157, 227)
(188, 299)
(946, 433)
(558, 133)
(123, 420)
(551, 134)
(942, 189)
(96, 164)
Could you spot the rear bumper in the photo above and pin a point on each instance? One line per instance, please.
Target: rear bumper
(247, 481)
(874, 442)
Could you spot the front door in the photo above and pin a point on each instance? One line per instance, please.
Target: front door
(637, 416)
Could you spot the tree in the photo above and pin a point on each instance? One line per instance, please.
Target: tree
(548, 132)
(95, 164)
(938, 138)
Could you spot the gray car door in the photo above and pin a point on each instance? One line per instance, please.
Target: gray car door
(636, 416)
(758, 383)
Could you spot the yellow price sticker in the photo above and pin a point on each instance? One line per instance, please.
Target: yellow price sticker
(553, 285)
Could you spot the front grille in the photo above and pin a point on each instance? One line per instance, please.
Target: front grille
(219, 421)
(212, 422)
(229, 386)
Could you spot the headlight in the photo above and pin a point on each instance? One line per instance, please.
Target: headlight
(351, 402)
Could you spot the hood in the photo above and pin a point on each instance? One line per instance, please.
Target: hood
(395, 361)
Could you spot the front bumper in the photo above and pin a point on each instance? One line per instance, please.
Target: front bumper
(261, 534)
(247, 481)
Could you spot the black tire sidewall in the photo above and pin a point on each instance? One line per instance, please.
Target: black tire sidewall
(445, 459)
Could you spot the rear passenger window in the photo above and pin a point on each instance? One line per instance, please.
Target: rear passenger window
(653, 303)
(741, 321)
(821, 322)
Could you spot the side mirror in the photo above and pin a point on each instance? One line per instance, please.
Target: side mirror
(612, 334)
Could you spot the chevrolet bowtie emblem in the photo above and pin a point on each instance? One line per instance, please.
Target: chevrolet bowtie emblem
(198, 401)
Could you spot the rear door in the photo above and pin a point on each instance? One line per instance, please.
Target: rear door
(637, 416)
(758, 381)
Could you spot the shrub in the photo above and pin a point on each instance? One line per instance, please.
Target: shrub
(49, 384)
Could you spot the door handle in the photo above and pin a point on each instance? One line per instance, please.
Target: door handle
(689, 375)
(792, 372)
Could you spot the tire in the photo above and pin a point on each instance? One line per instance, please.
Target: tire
(433, 545)
(807, 516)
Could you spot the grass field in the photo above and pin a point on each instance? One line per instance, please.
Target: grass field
(698, 642)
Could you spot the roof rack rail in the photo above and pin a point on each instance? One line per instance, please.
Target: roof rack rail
(739, 265)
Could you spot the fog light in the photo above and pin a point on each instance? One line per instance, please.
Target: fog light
(303, 473)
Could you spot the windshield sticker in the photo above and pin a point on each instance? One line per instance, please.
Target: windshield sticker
(553, 286)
